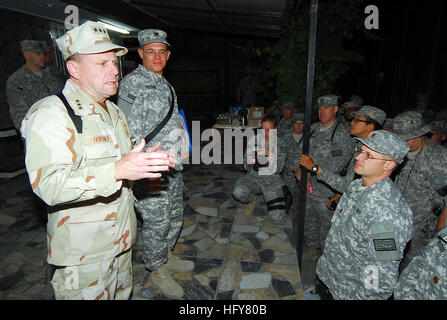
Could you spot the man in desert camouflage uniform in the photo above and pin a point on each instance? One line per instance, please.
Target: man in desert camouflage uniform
(288, 108)
(422, 179)
(330, 147)
(85, 177)
(264, 160)
(370, 228)
(363, 122)
(29, 84)
(145, 96)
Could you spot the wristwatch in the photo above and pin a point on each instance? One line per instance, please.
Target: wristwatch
(314, 169)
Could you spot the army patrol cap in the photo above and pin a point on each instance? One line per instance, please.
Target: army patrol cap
(371, 112)
(89, 37)
(152, 35)
(422, 97)
(409, 125)
(439, 125)
(327, 100)
(388, 122)
(387, 143)
(297, 116)
(32, 45)
(288, 105)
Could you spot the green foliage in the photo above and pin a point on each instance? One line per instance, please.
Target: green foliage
(285, 62)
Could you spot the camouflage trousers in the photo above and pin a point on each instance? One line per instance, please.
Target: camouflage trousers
(248, 186)
(317, 222)
(294, 188)
(162, 214)
(106, 280)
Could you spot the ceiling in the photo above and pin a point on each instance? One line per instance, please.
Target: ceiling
(245, 18)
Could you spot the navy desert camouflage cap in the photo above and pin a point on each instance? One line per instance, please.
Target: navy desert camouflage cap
(371, 112)
(328, 100)
(288, 105)
(90, 37)
(409, 125)
(152, 35)
(32, 45)
(388, 143)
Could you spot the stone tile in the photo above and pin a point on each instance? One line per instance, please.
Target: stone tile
(202, 265)
(267, 255)
(277, 244)
(195, 291)
(236, 252)
(188, 230)
(203, 279)
(262, 235)
(243, 219)
(265, 294)
(225, 295)
(207, 211)
(255, 281)
(286, 259)
(204, 244)
(291, 273)
(248, 266)
(283, 288)
(245, 228)
(227, 280)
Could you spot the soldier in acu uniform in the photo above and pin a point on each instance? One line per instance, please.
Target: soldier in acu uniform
(264, 160)
(422, 179)
(364, 121)
(146, 98)
(288, 108)
(83, 172)
(424, 278)
(331, 147)
(30, 83)
(294, 146)
(370, 228)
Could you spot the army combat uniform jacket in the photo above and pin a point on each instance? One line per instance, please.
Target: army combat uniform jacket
(145, 99)
(24, 87)
(425, 277)
(91, 216)
(285, 127)
(365, 244)
(331, 149)
(337, 181)
(423, 182)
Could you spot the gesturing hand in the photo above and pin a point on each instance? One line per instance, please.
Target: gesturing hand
(138, 165)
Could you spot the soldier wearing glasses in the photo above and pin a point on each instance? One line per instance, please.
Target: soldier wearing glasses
(363, 122)
(146, 97)
(370, 228)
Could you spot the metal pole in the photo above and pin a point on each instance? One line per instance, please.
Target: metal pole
(307, 119)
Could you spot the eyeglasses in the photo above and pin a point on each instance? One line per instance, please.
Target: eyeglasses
(359, 120)
(367, 156)
(152, 53)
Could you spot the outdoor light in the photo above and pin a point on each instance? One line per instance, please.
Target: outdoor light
(114, 28)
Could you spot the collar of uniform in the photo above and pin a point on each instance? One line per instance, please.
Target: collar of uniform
(81, 102)
(155, 78)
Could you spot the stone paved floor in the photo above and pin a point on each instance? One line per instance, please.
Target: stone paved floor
(236, 256)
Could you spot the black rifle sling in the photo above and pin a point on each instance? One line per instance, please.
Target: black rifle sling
(77, 120)
(154, 132)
